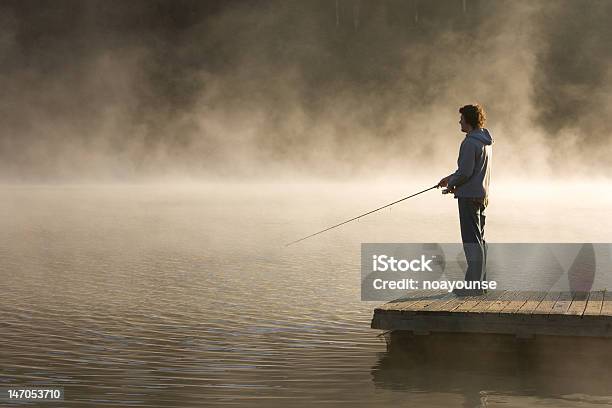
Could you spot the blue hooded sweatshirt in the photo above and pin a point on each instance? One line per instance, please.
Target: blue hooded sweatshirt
(471, 180)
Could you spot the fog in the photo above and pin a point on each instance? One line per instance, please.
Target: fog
(265, 121)
(116, 91)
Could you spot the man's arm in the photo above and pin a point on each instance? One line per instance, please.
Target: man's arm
(465, 163)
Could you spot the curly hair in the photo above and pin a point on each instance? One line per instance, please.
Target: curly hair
(474, 115)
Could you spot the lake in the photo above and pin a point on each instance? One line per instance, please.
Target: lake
(185, 295)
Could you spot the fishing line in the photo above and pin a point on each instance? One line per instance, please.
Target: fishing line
(362, 215)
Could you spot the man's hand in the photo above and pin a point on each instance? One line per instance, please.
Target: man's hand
(444, 182)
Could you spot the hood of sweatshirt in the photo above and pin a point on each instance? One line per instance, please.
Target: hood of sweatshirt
(482, 135)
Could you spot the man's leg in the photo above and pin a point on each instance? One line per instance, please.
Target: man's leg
(484, 242)
(470, 217)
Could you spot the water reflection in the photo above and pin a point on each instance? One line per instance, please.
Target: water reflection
(487, 369)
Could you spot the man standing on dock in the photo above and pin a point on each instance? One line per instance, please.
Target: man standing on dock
(470, 185)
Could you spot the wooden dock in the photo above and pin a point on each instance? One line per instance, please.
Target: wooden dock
(520, 313)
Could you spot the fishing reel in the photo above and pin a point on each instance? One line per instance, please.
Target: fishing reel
(447, 190)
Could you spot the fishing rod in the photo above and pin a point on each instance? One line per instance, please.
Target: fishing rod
(364, 214)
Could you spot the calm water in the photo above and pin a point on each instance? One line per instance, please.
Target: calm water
(186, 296)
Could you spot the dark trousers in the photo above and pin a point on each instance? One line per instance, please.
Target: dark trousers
(472, 220)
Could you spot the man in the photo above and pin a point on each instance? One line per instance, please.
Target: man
(470, 185)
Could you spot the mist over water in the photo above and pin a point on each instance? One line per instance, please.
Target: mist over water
(148, 90)
(186, 295)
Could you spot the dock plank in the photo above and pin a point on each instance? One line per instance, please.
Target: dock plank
(500, 303)
(547, 303)
(520, 298)
(579, 303)
(453, 304)
(606, 306)
(470, 303)
(439, 305)
(532, 303)
(593, 307)
(562, 304)
(490, 298)
(431, 297)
